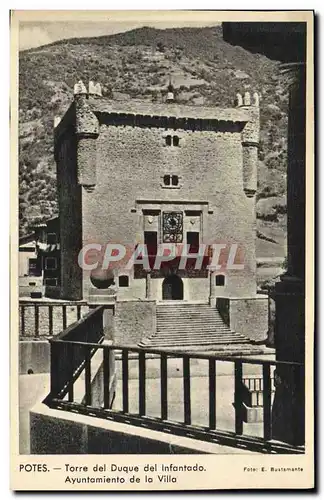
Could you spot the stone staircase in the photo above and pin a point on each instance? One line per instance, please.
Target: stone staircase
(191, 326)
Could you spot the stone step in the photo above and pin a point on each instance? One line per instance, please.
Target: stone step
(170, 336)
(182, 303)
(192, 342)
(201, 320)
(187, 340)
(198, 307)
(186, 311)
(221, 349)
(190, 315)
(192, 326)
(177, 335)
(202, 331)
(175, 310)
(189, 344)
(202, 324)
(179, 326)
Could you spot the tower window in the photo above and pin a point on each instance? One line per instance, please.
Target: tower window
(167, 180)
(171, 180)
(175, 140)
(123, 281)
(150, 240)
(220, 280)
(172, 140)
(193, 241)
(174, 180)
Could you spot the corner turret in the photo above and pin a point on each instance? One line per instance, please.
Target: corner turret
(250, 140)
(87, 131)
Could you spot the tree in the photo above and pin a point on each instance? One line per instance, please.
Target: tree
(160, 47)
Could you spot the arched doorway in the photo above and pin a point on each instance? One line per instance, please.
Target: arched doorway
(172, 288)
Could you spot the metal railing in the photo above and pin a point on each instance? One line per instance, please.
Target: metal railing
(72, 353)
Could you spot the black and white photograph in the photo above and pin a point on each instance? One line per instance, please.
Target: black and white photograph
(162, 281)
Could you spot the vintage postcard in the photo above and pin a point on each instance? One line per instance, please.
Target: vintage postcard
(162, 270)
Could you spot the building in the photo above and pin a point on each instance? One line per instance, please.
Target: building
(39, 261)
(133, 173)
(30, 273)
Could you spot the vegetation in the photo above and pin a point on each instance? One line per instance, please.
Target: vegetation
(137, 64)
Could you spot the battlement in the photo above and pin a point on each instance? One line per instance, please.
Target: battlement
(99, 105)
(91, 107)
(93, 90)
(246, 100)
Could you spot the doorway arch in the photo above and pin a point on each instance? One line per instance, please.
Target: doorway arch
(172, 288)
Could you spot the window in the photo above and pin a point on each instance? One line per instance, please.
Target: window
(33, 267)
(150, 240)
(176, 140)
(123, 281)
(51, 281)
(172, 140)
(193, 213)
(174, 180)
(51, 238)
(171, 180)
(167, 180)
(220, 280)
(193, 242)
(50, 263)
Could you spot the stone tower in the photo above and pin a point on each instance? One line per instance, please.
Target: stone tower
(133, 173)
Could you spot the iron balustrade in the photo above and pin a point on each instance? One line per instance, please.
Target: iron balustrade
(73, 350)
(68, 359)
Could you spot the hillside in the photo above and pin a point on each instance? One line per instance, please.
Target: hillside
(137, 64)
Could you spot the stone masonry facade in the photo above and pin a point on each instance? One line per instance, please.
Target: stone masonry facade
(122, 165)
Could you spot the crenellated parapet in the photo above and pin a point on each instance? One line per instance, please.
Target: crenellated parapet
(250, 140)
(86, 121)
(87, 131)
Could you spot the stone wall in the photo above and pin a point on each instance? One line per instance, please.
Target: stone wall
(57, 432)
(133, 321)
(69, 200)
(130, 165)
(30, 284)
(35, 356)
(250, 317)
